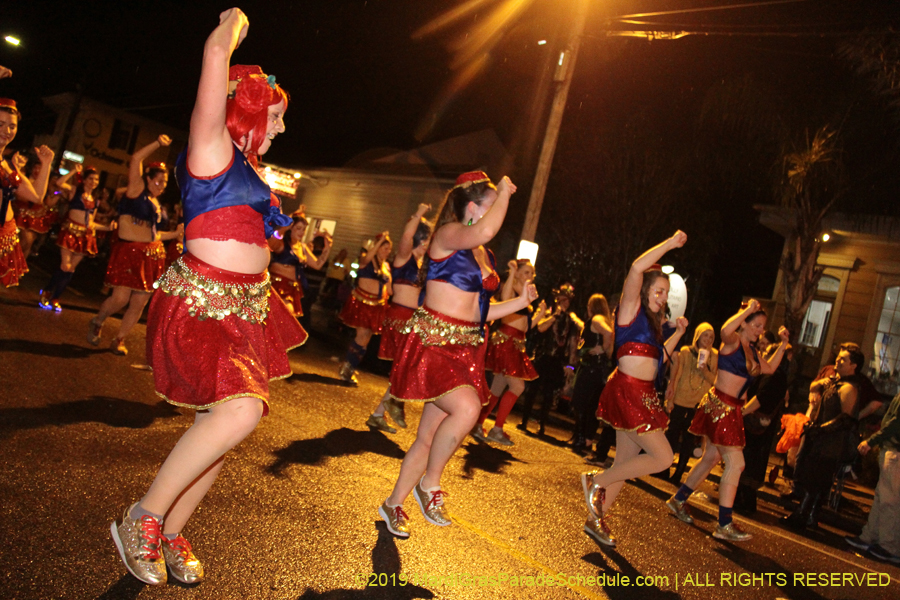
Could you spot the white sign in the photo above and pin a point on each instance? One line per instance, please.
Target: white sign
(677, 297)
(527, 250)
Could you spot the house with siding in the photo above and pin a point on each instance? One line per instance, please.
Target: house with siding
(858, 297)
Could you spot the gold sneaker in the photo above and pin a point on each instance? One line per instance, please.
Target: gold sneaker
(395, 518)
(678, 509)
(731, 533)
(138, 543)
(184, 566)
(432, 505)
(397, 412)
(379, 423)
(599, 530)
(594, 495)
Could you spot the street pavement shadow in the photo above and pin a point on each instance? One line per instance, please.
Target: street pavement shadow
(126, 588)
(754, 563)
(384, 579)
(602, 560)
(114, 412)
(663, 495)
(314, 378)
(484, 457)
(46, 349)
(339, 442)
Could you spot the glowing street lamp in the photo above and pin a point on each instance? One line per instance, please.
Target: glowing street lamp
(12, 40)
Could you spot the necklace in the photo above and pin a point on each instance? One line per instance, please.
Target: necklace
(695, 369)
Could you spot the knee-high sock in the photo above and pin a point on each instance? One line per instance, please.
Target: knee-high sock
(355, 354)
(506, 403)
(486, 410)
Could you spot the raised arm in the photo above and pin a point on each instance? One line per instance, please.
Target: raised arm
(767, 367)
(672, 343)
(371, 252)
(458, 236)
(508, 291)
(318, 263)
(729, 329)
(209, 142)
(631, 291)
(35, 192)
(498, 310)
(136, 166)
(405, 247)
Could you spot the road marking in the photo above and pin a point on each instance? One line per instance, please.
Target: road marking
(522, 556)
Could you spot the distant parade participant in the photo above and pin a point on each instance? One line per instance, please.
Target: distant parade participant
(364, 309)
(138, 256)
(720, 415)
(35, 220)
(594, 366)
(405, 299)
(15, 186)
(629, 401)
(507, 357)
(216, 335)
(441, 362)
(290, 258)
(77, 238)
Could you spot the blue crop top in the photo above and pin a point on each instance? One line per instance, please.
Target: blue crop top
(462, 271)
(369, 272)
(408, 274)
(78, 203)
(287, 256)
(237, 185)
(642, 342)
(736, 364)
(141, 208)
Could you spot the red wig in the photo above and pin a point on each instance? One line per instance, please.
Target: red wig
(250, 94)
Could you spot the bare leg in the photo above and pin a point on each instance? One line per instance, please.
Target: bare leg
(734, 465)
(379, 410)
(630, 463)
(363, 337)
(214, 432)
(190, 498)
(701, 470)
(69, 260)
(416, 459)
(116, 302)
(462, 407)
(26, 241)
(135, 307)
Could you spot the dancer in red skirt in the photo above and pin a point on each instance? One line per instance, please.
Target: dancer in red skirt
(630, 402)
(506, 355)
(364, 309)
(720, 415)
(14, 186)
(216, 335)
(407, 292)
(441, 362)
(138, 256)
(290, 257)
(77, 239)
(35, 220)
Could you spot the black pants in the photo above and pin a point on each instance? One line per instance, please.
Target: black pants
(551, 379)
(679, 437)
(589, 383)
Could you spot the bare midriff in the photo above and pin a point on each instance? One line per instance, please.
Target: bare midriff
(230, 255)
(448, 299)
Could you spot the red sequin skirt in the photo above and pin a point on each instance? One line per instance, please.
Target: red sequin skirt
(214, 335)
(719, 418)
(364, 311)
(290, 291)
(77, 238)
(135, 265)
(631, 404)
(12, 260)
(439, 355)
(392, 337)
(174, 249)
(506, 354)
(35, 217)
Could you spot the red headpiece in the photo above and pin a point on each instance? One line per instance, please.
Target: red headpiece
(654, 267)
(9, 103)
(250, 87)
(471, 178)
(155, 165)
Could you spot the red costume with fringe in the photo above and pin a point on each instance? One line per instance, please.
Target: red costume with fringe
(12, 260)
(38, 218)
(719, 418)
(392, 330)
(506, 354)
(290, 291)
(135, 265)
(364, 310)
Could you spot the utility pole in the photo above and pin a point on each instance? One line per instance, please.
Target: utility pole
(564, 71)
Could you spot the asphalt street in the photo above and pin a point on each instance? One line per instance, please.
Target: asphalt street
(293, 515)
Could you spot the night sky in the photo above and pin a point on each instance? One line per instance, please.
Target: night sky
(360, 82)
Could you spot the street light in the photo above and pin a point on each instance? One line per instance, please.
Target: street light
(12, 40)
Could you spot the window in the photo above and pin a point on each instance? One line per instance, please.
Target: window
(887, 344)
(123, 136)
(815, 324)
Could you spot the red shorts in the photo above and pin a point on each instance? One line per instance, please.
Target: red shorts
(35, 217)
(12, 261)
(214, 335)
(631, 404)
(440, 354)
(77, 238)
(364, 311)
(135, 265)
(392, 337)
(290, 291)
(719, 418)
(506, 354)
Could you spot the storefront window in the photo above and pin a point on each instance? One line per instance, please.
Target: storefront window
(884, 365)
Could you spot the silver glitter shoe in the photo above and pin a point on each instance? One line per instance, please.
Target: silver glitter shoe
(138, 543)
(396, 411)
(118, 347)
(395, 518)
(679, 509)
(731, 533)
(497, 435)
(599, 530)
(380, 424)
(348, 375)
(183, 565)
(594, 495)
(478, 433)
(432, 505)
(94, 331)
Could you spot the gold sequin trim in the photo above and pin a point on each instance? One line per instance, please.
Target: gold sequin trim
(714, 407)
(212, 299)
(155, 250)
(434, 331)
(498, 337)
(8, 242)
(368, 299)
(651, 402)
(74, 228)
